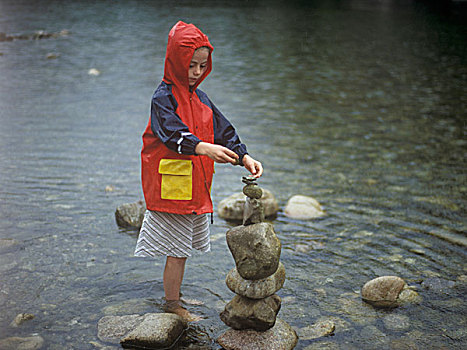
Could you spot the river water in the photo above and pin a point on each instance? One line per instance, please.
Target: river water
(359, 104)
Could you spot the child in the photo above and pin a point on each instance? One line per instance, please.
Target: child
(185, 135)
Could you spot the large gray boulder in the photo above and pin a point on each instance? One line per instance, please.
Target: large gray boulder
(279, 337)
(303, 208)
(155, 331)
(131, 214)
(258, 289)
(244, 313)
(255, 249)
(231, 208)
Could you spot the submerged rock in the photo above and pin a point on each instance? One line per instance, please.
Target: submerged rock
(317, 330)
(303, 208)
(257, 289)
(396, 322)
(7, 242)
(130, 214)
(21, 318)
(255, 249)
(279, 337)
(245, 313)
(16, 343)
(383, 291)
(231, 208)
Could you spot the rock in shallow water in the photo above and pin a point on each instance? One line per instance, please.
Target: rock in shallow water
(130, 214)
(303, 208)
(258, 289)
(156, 331)
(255, 249)
(279, 337)
(244, 313)
(317, 330)
(20, 319)
(149, 330)
(16, 343)
(231, 208)
(383, 291)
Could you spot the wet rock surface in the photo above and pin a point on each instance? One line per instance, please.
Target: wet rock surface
(256, 289)
(317, 330)
(151, 330)
(279, 337)
(257, 314)
(131, 214)
(303, 208)
(255, 249)
(156, 331)
(19, 343)
(383, 291)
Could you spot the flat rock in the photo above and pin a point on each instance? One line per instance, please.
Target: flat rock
(317, 330)
(383, 291)
(231, 208)
(150, 330)
(244, 313)
(303, 208)
(279, 337)
(131, 214)
(156, 331)
(113, 328)
(258, 289)
(17, 343)
(255, 249)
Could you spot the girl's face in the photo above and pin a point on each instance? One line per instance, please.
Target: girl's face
(198, 65)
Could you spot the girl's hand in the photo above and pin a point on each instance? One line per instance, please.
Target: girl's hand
(253, 166)
(217, 153)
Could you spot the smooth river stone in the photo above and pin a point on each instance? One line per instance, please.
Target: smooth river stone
(258, 289)
(244, 313)
(383, 291)
(303, 208)
(279, 337)
(255, 249)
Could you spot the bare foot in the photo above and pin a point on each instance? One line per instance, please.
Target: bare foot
(191, 301)
(174, 307)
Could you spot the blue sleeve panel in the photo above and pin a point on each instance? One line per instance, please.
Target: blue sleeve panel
(175, 135)
(224, 132)
(168, 126)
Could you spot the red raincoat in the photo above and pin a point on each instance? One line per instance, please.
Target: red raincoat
(180, 182)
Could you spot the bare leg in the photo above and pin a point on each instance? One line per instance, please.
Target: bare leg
(173, 277)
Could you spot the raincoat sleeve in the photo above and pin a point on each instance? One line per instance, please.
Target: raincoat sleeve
(168, 126)
(225, 134)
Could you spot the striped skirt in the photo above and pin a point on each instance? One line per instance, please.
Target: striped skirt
(172, 234)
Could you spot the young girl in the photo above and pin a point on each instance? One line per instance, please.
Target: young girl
(185, 135)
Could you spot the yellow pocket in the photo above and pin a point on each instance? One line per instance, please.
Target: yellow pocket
(176, 179)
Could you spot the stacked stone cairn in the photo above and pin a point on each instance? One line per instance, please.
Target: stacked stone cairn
(258, 274)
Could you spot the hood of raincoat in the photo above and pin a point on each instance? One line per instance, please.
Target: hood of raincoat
(183, 40)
